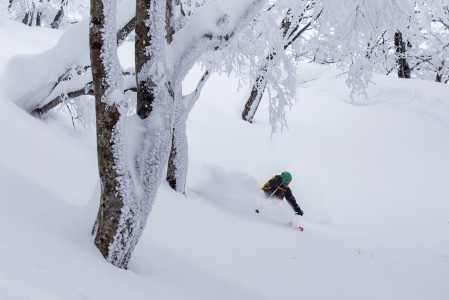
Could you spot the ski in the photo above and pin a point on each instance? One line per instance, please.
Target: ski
(291, 225)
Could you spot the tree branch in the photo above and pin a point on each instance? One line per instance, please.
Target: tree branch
(42, 111)
(190, 99)
(123, 33)
(300, 32)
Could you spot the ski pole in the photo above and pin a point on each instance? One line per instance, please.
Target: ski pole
(283, 182)
(274, 192)
(257, 209)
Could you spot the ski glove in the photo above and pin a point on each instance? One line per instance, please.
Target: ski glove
(299, 212)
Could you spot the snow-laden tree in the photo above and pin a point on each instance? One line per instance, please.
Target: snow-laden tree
(133, 139)
(133, 150)
(49, 13)
(141, 113)
(298, 17)
(110, 113)
(402, 37)
(359, 36)
(433, 61)
(386, 36)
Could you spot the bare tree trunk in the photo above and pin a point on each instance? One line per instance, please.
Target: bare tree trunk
(123, 33)
(29, 15)
(145, 89)
(171, 167)
(39, 14)
(39, 18)
(439, 76)
(59, 16)
(401, 61)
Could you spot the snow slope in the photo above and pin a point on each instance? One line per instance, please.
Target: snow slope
(370, 178)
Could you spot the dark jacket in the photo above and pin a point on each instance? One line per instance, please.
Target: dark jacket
(277, 187)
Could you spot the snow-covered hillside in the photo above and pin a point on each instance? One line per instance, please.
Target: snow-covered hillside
(371, 179)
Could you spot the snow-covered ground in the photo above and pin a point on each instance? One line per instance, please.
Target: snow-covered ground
(371, 179)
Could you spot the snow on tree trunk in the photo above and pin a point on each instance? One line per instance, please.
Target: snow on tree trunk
(130, 170)
(59, 15)
(29, 15)
(439, 76)
(155, 103)
(206, 41)
(115, 221)
(289, 35)
(255, 97)
(176, 146)
(131, 165)
(39, 14)
(178, 160)
(401, 50)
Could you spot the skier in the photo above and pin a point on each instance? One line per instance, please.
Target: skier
(277, 186)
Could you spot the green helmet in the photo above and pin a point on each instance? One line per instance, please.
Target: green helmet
(286, 175)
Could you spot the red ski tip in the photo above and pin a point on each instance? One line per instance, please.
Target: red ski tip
(300, 228)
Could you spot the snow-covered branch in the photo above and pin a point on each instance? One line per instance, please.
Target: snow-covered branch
(55, 102)
(44, 71)
(188, 101)
(78, 86)
(210, 28)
